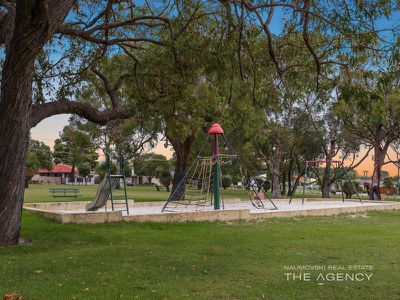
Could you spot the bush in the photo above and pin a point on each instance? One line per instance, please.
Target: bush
(164, 175)
(226, 182)
(388, 182)
(236, 179)
(101, 169)
(348, 189)
(266, 185)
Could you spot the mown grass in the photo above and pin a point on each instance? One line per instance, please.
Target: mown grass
(201, 260)
(40, 193)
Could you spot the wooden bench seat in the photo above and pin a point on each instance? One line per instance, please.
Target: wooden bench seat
(64, 192)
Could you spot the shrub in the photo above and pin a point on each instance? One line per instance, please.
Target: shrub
(348, 189)
(164, 175)
(388, 182)
(266, 185)
(226, 182)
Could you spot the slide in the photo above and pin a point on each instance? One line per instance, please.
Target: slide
(103, 192)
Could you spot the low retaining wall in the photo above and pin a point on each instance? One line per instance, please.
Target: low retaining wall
(58, 211)
(331, 211)
(197, 216)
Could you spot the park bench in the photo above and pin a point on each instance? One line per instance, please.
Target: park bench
(64, 192)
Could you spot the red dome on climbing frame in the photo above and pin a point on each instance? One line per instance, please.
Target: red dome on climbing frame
(216, 129)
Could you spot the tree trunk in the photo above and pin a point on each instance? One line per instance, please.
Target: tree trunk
(35, 21)
(72, 175)
(27, 180)
(379, 157)
(15, 104)
(283, 183)
(325, 186)
(275, 175)
(182, 152)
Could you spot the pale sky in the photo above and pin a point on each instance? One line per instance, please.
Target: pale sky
(48, 130)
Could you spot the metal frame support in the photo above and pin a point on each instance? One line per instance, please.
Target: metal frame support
(216, 174)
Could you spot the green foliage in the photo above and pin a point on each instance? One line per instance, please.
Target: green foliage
(388, 182)
(148, 164)
(226, 181)
(127, 170)
(369, 106)
(74, 147)
(101, 169)
(84, 169)
(353, 174)
(42, 153)
(32, 164)
(384, 174)
(348, 189)
(236, 178)
(164, 175)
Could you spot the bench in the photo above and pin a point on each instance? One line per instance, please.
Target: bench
(64, 192)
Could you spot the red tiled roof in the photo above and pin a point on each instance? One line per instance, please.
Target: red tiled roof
(59, 169)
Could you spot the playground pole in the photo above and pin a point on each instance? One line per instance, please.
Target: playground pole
(215, 130)
(216, 173)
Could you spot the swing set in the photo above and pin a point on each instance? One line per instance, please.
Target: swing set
(313, 166)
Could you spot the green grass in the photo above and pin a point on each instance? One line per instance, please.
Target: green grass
(201, 260)
(40, 193)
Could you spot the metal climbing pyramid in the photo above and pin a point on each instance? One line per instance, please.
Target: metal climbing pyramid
(201, 186)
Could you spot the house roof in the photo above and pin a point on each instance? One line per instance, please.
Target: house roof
(59, 169)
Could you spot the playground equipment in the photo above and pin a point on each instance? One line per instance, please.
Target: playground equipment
(107, 185)
(201, 185)
(339, 172)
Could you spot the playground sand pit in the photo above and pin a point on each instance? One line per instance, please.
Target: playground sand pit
(74, 212)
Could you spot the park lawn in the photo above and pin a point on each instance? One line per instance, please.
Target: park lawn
(40, 193)
(237, 260)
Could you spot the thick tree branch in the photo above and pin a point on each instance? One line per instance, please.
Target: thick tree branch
(111, 90)
(7, 22)
(91, 38)
(40, 112)
(306, 39)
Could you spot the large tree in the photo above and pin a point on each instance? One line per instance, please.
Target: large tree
(149, 164)
(75, 148)
(39, 156)
(31, 27)
(370, 107)
(335, 140)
